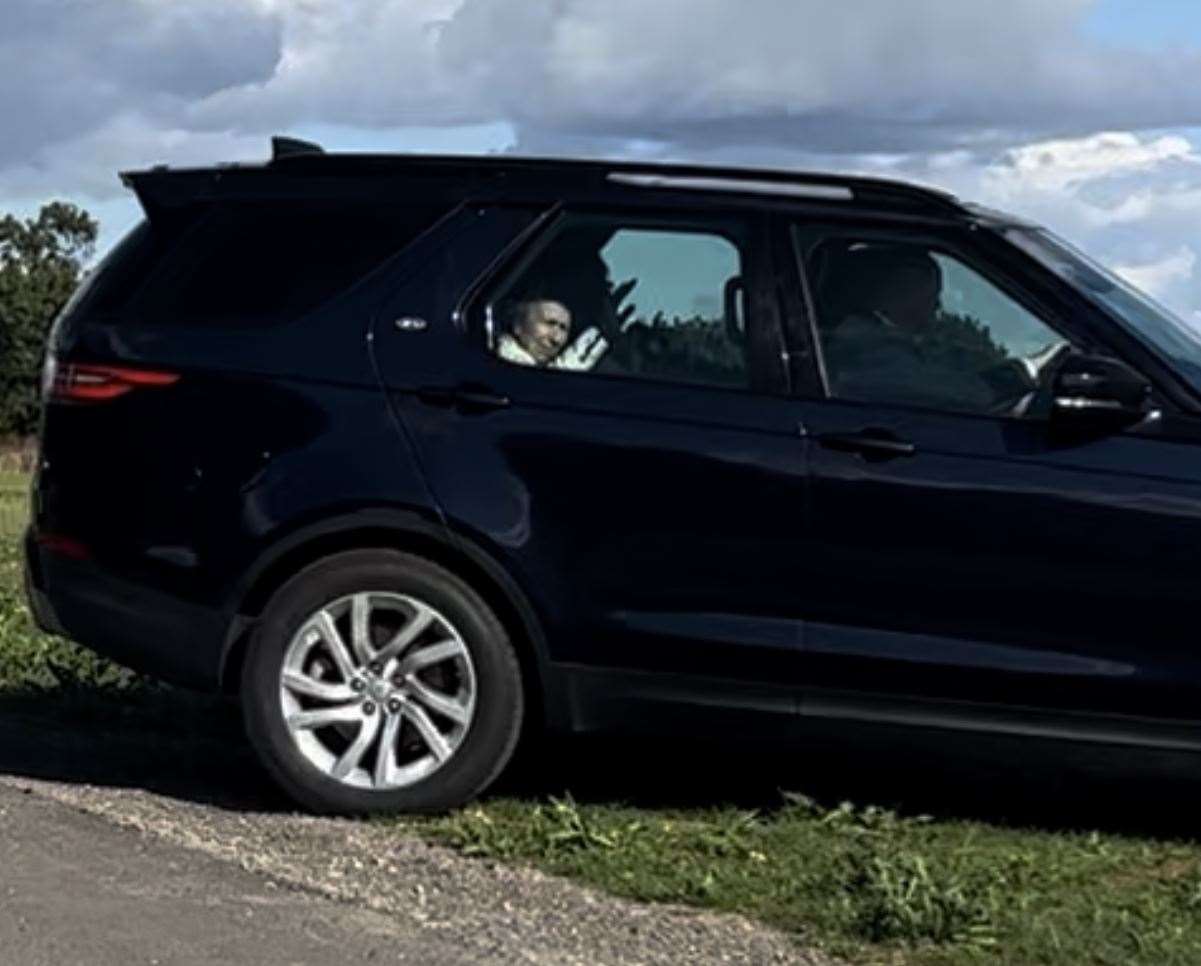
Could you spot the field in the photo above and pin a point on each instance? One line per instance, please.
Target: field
(975, 855)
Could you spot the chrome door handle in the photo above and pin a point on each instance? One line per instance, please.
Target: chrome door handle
(871, 444)
(463, 398)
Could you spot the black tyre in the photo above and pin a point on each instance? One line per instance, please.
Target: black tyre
(377, 681)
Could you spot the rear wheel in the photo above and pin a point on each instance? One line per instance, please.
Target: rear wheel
(380, 682)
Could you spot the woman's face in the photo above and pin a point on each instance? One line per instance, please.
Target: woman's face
(542, 329)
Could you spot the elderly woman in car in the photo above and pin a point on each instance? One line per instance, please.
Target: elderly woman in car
(539, 337)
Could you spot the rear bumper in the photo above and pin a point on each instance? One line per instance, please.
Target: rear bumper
(141, 628)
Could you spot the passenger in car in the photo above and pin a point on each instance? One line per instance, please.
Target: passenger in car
(884, 345)
(540, 331)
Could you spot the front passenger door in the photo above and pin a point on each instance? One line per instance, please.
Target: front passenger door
(966, 554)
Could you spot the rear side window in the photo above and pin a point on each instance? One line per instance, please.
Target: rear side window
(250, 265)
(618, 298)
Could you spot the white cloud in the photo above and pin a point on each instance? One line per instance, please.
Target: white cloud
(1131, 200)
(1063, 164)
(1160, 277)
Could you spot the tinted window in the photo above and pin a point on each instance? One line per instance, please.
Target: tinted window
(908, 324)
(621, 299)
(251, 264)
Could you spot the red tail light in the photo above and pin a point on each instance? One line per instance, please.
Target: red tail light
(63, 546)
(75, 382)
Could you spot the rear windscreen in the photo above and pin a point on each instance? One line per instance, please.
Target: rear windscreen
(250, 264)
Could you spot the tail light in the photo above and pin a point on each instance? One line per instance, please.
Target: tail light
(78, 382)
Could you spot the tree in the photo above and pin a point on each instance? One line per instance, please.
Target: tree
(41, 264)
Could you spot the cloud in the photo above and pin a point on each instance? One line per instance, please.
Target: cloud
(71, 67)
(761, 79)
(1159, 278)
(89, 163)
(690, 76)
(855, 76)
(1131, 200)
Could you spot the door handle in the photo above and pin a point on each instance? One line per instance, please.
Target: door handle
(476, 399)
(871, 444)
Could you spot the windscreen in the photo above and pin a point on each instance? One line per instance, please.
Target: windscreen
(1161, 330)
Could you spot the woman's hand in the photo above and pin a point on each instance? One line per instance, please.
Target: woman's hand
(583, 353)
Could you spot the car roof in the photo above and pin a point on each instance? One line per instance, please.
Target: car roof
(295, 159)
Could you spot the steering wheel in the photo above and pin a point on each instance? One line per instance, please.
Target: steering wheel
(1027, 376)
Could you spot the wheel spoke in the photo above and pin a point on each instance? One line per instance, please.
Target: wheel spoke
(324, 625)
(337, 690)
(313, 688)
(443, 704)
(354, 754)
(360, 611)
(429, 656)
(387, 751)
(406, 635)
(319, 718)
(429, 732)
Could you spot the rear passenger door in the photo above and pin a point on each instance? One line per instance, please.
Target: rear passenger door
(647, 494)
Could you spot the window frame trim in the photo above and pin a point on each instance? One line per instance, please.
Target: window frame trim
(948, 240)
(473, 314)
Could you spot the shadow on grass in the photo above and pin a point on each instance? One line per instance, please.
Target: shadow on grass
(192, 747)
(174, 743)
(1005, 781)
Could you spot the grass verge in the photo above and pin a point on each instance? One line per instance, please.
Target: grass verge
(866, 883)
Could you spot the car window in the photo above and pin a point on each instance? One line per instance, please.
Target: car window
(253, 264)
(614, 298)
(907, 323)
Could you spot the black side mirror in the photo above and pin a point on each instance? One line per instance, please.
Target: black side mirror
(1098, 389)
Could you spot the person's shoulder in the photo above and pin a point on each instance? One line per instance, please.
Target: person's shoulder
(509, 349)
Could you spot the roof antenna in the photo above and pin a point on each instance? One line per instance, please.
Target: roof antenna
(286, 147)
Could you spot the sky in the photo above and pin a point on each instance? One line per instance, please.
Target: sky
(1084, 115)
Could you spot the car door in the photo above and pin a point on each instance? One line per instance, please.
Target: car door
(967, 557)
(646, 499)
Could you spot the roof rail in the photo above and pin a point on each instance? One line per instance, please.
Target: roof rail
(793, 189)
(286, 147)
(816, 186)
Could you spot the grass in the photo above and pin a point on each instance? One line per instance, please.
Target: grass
(868, 883)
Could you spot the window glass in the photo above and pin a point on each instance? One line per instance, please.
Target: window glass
(623, 300)
(907, 324)
(251, 264)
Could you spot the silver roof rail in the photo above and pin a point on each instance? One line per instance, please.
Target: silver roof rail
(825, 192)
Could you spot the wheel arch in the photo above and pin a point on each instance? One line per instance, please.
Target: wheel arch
(411, 532)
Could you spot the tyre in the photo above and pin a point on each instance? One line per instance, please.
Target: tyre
(377, 681)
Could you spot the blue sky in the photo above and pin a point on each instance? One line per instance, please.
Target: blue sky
(1083, 114)
(1151, 24)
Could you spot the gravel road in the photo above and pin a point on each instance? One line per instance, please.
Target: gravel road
(119, 847)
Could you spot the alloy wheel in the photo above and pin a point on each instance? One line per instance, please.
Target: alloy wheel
(377, 690)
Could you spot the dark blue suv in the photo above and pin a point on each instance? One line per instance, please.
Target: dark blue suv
(415, 452)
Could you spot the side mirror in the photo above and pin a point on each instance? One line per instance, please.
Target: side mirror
(1098, 389)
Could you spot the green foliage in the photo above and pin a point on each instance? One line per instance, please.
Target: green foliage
(867, 883)
(34, 662)
(41, 263)
(696, 349)
(965, 343)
